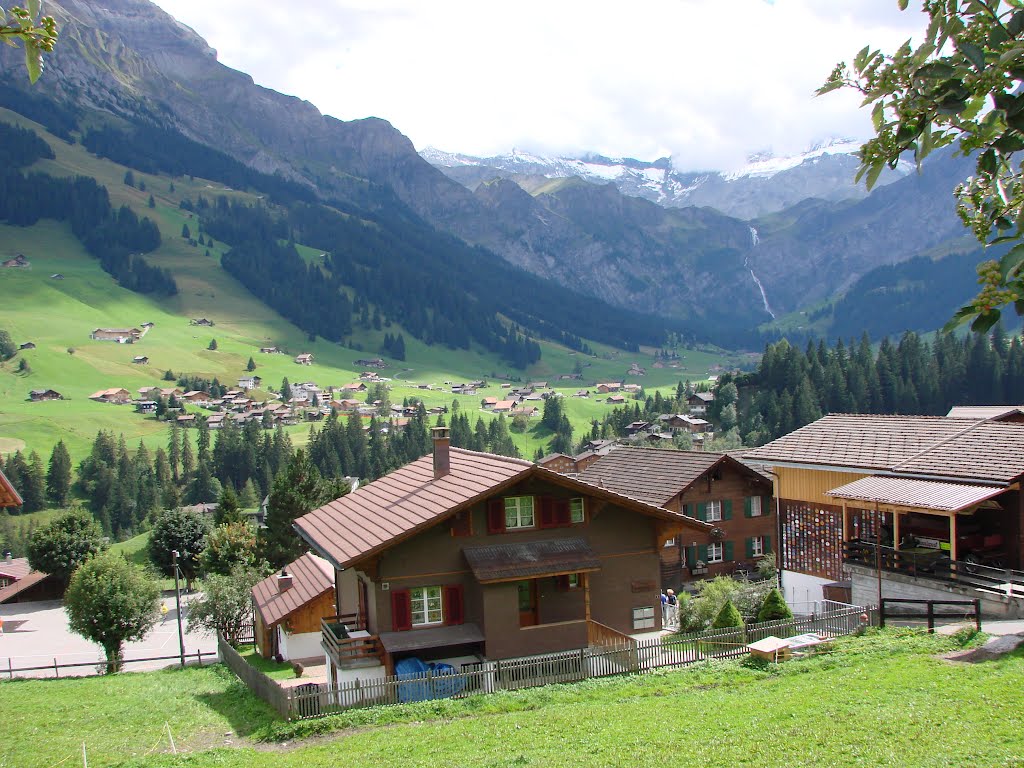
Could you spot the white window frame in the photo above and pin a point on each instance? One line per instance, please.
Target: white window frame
(716, 552)
(713, 511)
(755, 506)
(757, 546)
(519, 512)
(577, 511)
(425, 606)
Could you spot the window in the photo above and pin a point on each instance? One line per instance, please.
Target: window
(714, 511)
(519, 512)
(425, 606)
(716, 552)
(755, 506)
(576, 510)
(574, 581)
(757, 546)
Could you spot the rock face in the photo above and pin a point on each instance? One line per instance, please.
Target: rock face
(995, 648)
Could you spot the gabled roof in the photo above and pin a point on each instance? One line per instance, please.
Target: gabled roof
(19, 586)
(410, 499)
(656, 475)
(931, 447)
(9, 497)
(311, 577)
(15, 568)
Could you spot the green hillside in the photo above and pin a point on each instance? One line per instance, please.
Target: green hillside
(57, 315)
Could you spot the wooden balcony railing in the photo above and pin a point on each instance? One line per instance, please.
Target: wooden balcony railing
(602, 636)
(336, 636)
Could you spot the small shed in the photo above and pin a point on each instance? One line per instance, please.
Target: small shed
(289, 607)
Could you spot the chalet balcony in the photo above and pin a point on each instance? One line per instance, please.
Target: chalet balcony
(347, 642)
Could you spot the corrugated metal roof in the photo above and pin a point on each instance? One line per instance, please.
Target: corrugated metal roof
(411, 499)
(8, 496)
(936, 446)
(311, 577)
(530, 559)
(923, 494)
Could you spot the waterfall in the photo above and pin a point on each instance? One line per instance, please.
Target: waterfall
(754, 240)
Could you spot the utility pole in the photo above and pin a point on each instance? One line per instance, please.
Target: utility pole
(177, 606)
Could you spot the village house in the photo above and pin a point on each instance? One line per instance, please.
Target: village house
(373, 363)
(19, 582)
(699, 402)
(41, 395)
(196, 397)
(18, 262)
(140, 360)
(607, 387)
(504, 406)
(119, 335)
(354, 387)
(27, 345)
(683, 422)
(306, 358)
(632, 388)
(488, 403)
(465, 555)
(201, 321)
(616, 399)
(920, 507)
(269, 350)
(714, 488)
(289, 608)
(115, 395)
(145, 406)
(250, 382)
(154, 393)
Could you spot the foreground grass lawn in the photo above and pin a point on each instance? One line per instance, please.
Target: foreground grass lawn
(876, 701)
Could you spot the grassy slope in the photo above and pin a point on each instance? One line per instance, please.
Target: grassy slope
(880, 700)
(59, 314)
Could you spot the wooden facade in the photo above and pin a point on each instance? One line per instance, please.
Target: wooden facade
(304, 620)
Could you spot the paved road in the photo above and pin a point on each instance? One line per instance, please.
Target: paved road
(36, 634)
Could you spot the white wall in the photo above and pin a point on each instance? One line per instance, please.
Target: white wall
(304, 645)
(800, 589)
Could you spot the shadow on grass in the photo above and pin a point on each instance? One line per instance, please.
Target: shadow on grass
(243, 709)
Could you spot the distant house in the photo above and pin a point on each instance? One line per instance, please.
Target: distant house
(616, 399)
(19, 583)
(582, 393)
(145, 406)
(201, 321)
(607, 387)
(155, 392)
(27, 345)
(57, 276)
(115, 395)
(41, 395)
(504, 406)
(18, 261)
(196, 397)
(140, 360)
(637, 370)
(678, 422)
(374, 363)
(489, 403)
(269, 350)
(699, 402)
(250, 382)
(188, 420)
(355, 387)
(120, 335)
(306, 358)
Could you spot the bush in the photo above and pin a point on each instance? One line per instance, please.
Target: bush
(774, 608)
(728, 617)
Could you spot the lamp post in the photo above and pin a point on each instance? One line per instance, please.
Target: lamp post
(177, 605)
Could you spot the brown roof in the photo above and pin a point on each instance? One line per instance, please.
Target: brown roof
(984, 411)
(32, 578)
(923, 494)
(408, 500)
(16, 568)
(530, 559)
(9, 497)
(434, 637)
(654, 475)
(311, 577)
(931, 446)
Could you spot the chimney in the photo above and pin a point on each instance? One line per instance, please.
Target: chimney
(284, 581)
(8, 557)
(442, 461)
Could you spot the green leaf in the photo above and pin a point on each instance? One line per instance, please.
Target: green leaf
(32, 6)
(33, 61)
(1011, 262)
(985, 321)
(874, 172)
(903, 4)
(974, 54)
(962, 316)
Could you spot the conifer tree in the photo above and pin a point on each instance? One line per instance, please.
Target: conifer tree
(58, 476)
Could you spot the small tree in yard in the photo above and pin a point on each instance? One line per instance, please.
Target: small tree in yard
(774, 608)
(728, 617)
(63, 545)
(110, 601)
(227, 547)
(226, 603)
(180, 530)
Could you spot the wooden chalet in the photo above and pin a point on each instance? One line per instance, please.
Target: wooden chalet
(119, 335)
(41, 395)
(699, 402)
(464, 556)
(289, 607)
(306, 358)
(902, 506)
(115, 395)
(140, 360)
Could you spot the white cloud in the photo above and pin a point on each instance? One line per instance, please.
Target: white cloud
(708, 81)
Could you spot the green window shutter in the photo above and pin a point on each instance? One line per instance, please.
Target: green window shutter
(691, 556)
(688, 510)
(767, 544)
(702, 512)
(702, 553)
(727, 509)
(727, 554)
(746, 506)
(766, 505)
(750, 547)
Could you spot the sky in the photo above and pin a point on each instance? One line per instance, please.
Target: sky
(707, 82)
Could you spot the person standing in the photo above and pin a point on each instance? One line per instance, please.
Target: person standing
(672, 609)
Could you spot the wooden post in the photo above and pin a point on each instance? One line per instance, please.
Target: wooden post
(977, 613)
(586, 595)
(846, 523)
(896, 530)
(931, 617)
(952, 538)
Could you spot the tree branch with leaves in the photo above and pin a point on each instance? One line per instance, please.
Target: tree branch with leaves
(961, 84)
(37, 35)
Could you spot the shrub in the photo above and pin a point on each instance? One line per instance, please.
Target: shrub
(728, 617)
(774, 608)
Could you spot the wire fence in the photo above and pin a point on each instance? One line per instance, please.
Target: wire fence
(100, 665)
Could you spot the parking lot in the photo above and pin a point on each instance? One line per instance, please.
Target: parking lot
(37, 635)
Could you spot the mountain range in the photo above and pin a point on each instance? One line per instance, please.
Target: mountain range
(716, 255)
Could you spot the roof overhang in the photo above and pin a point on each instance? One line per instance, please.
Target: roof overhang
(915, 495)
(531, 560)
(436, 637)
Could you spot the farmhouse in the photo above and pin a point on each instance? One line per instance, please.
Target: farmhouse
(306, 358)
(140, 360)
(607, 387)
(616, 399)
(373, 363)
(699, 402)
(115, 395)
(41, 395)
(465, 555)
(18, 262)
(269, 350)
(120, 335)
(250, 382)
(201, 321)
(905, 506)
(27, 345)
(290, 606)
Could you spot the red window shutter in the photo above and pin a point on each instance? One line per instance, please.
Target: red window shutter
(547, 512)
(452, 602)
(496, 516)
(462, 523)
(562, 517)
(401, 610)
